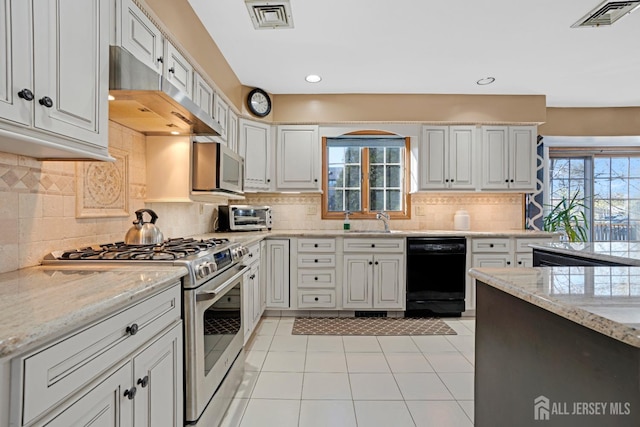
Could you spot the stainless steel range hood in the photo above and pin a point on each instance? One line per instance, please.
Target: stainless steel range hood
(146, 102)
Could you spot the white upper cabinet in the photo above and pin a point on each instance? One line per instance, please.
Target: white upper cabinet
(221, 113)
(54, 71)
(446, 157)
(255, 147)
(137, 34)
(508, 157)
(203, 94)
(298, 158)
(232, 131)
(177, 70)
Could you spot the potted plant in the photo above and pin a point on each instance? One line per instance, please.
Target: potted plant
(568, 217)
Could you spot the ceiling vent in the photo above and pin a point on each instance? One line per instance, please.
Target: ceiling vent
(607, 13)
(270, 15)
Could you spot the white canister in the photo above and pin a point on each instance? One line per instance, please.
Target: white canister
(461, 220)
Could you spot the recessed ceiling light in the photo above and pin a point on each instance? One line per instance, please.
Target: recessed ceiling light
(486, 81)
(313, 78)
(175, 132)
(111, 98)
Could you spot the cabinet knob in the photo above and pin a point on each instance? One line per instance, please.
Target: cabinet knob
(250, 255)
(130, 393)
(268, 180)
(316, 299)
(452, 180)
(370, 262)
(520, 262)
(373, 245)
(490, 245)
(315, 260)
(315, 245)
(26, 94)
(142, 382)
(315, 180)
(511, 180)
(46, 101)
(172, 70)
(160, 59)
(228, 299)
(376, 263)
(133, 329)
(506, 180)
(508, 262)
(315, 278)
(446, 180)
(253, 276)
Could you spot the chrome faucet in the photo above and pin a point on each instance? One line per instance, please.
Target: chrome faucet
(384, 217)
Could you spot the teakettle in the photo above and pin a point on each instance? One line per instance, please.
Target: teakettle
(144, 233)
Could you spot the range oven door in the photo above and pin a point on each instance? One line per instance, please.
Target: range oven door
(213, 336)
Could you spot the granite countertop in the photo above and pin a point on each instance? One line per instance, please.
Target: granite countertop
(40, 304)
(605, 299)
(249, 237)
(619, 251)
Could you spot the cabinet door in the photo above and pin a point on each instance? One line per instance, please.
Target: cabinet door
(177, 70)
(222, 109)
(140, 36)
(388, 281)
(232, 131)
(71, 66)
(495, 157)
(278, 274)
(203, 94)
(524, 260)
(15, 61)
(103, 405)
(157, 377)
(433, 157)
(247, 305)
(522, 153)
(256, 305)
(298, 157)
(255, 147)
(461, 157)
(358, 281)
(491, 260)
(263, 276)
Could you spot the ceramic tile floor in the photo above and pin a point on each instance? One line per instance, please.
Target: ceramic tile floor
(364, 381)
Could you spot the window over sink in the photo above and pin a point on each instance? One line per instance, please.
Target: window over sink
(365, 172)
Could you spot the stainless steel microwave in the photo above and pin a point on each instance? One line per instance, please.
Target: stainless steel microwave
(244, 218)
(215, 168)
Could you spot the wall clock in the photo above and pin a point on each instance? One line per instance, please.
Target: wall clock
(259, 103)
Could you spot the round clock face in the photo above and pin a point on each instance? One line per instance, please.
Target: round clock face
(259, 103)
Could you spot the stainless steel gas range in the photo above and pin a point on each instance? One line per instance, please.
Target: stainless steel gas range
(212, 311)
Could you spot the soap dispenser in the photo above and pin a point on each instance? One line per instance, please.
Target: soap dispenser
(346, 225)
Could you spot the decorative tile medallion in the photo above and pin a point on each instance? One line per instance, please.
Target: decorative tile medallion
(103, 187)
(370, 326)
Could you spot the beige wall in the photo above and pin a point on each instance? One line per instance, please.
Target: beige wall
(409, 108)
(622, 121)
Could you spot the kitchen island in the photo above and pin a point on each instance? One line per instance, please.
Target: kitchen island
(557, 346)
(587, 253)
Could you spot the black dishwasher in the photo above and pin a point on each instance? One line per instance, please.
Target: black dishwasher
(436, 276)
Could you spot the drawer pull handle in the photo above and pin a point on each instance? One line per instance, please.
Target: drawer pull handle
(253, 276)
(133, 329)
(172, 70)
(228, 299)
(130, 393)
(160, 59)
(316, 298)
(142, 382)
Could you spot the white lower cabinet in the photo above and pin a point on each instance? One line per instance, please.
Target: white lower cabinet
(315, 273)
(124, 370)
(252, 292)
(277, 273)
(373, 274)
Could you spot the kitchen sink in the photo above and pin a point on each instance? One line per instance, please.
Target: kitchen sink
(373, 231)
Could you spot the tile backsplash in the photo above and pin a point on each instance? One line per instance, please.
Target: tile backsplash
(39, 210)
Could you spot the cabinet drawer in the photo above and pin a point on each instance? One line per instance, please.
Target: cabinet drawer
(374, 245)
(491, 245)
(491, 260)
(322, 278)
(316, 299)
(316, 245)
(524, 260)
(316, 260)
(522, 245)
(254, 254)
(53, 373)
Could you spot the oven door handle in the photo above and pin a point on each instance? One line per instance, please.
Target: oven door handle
(212, 294)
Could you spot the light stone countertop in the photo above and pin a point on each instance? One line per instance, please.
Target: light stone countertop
(605, 299)
(618, 251)
(40, 304)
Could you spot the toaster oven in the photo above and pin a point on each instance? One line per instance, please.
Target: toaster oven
(244, 218)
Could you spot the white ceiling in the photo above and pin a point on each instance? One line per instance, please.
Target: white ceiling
(428, 46)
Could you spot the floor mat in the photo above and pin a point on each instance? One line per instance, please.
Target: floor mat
(370, 326)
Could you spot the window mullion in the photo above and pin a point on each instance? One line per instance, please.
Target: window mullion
(589, 196)
(364, 170)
